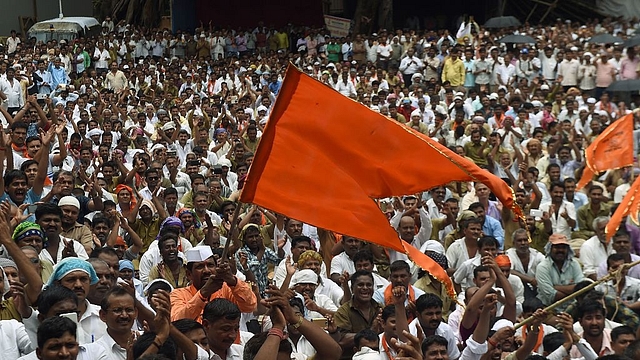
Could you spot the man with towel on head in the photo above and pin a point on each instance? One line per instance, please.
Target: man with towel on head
(78, 275)
(210, 279)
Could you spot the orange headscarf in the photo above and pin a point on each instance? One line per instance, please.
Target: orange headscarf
(503, 260)
(121, 187)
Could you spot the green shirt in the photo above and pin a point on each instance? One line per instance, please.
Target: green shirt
(585, 220)
(351, 320)
(549, 275)
(473, 152)
(333, 52)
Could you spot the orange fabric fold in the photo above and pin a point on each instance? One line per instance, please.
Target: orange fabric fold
(612, 149)
(629, 206)
(324, 158)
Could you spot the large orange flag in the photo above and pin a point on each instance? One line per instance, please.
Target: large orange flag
(630, 206)
(324, 158)
(612, 149)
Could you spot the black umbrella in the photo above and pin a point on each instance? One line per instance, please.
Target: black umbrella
(517, 39)
(634, 41)
(625, 85)
(605, 39)
(502, 22)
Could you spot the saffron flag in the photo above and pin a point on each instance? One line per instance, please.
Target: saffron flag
(324, 158)
(612, 149)
(630, 206)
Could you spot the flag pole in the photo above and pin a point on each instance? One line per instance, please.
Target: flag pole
(579, 292)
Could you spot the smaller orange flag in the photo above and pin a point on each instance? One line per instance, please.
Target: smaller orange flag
(630, 206)
(613, 149)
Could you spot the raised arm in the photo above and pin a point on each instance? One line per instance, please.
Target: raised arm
(33, 279)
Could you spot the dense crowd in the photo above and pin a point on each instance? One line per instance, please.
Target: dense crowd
(124, 156)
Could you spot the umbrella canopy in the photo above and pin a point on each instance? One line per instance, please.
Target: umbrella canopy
(517, 39)
(634, 41)
(605, 39)
(502, 22)
(625, 85)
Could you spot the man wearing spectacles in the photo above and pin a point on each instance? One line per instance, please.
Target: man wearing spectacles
(118, 312)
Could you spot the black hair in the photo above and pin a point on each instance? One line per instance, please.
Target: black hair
(187, 325)
(399, 265)
(363, 255)
(166, 237)
(103, 250)
(388, 311)
(427, 301)
(55, 327)
(532, 304)
(476, 205)
(47, 209)
(221, 309)
(366, 334)
(298, 239)
(359, 273)
(170, 191)
(168, 348)
(252, 347)
(622, 330)
(552, 341)
(588, 306)
(19, 124)
(52, 295)
(434, 339)
(100, 219)
(613, 258)
(27, 163)
(14, 174)
(479, 269)
(114, 291)
(488, 241)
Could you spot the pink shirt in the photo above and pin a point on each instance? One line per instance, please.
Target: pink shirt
(604, 72)
(628, 68)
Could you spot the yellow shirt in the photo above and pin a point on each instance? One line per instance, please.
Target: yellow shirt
(453, 71)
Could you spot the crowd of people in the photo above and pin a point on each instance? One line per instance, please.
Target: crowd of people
(124, 156)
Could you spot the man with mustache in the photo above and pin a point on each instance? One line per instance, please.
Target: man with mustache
(78, 275)
(49, 217)
(209, 280)
(106, 280)
(429, 309)
(559, 272)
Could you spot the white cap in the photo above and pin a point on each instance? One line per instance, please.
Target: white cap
(574, 48)
(591, 100)
(198, 253)
(502, 323)
(169, 126)
(69, 200)
(544, 87)
(224, 162)
(262, 108)
(306, 276)
(158, 147)
(94, 132)
(416, 112)
(432, 245)
(493, 96)
(536, 103)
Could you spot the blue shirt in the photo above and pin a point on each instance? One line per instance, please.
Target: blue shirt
(469, 78)
(29, 198)
(274, 87)
(579, 199)
(492, 227)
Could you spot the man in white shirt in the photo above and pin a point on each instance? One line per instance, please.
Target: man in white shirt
(119, 314)
(221, 320)
(78, 275)
(343, 262)
(627, 289)
(568, 70)
(319, 306)
(11, 91)
(12, 42)
(595, 251)
(101, 59)
(400, 276)
(524, 259)
(429, 309)
(410, 65)
(562, 212)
